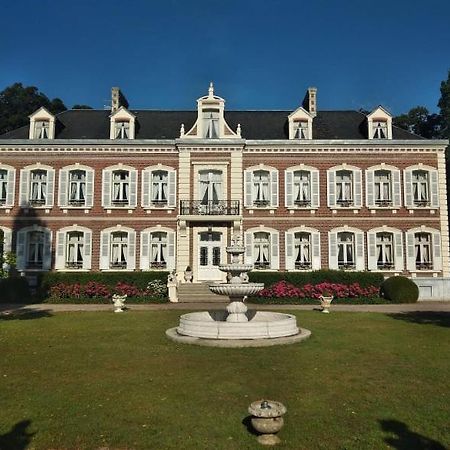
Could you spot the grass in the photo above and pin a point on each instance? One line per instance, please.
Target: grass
(93, 380)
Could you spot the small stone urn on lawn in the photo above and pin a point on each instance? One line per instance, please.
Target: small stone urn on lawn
(325, 302)
(119, 302)
(267, 419)
(188, 275)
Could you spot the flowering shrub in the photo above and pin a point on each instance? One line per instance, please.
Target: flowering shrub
(284, 289)
(157, 288)
(94, 289)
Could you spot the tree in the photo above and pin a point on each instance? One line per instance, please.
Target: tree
(419, 121)
(17, 102)
(444, 106)
(81, 107)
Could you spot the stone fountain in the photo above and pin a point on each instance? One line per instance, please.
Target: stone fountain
(237, 326)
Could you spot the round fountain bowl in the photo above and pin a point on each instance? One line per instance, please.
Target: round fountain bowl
(236, 290)
(235, 267)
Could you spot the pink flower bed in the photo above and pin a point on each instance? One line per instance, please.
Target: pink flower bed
(337, 290)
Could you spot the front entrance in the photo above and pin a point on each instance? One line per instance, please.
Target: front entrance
(210, 255)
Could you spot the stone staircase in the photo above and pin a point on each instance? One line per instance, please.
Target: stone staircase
(198, 293)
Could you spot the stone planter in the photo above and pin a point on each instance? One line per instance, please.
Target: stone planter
(325, 303)
(119, 302)
(267, 420)
(188, 276)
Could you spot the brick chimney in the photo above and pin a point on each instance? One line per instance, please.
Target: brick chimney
(310, 101)
(117, 99)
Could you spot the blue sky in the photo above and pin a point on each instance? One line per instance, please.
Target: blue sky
(260, 54)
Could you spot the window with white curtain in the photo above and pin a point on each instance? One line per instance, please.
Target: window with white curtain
(385, 250)
(74, 250)
(158, 250)
(119, 250)
(38, 187)
(420, 184)
(301, 129)
(423, 251)
(120, 187)
(302, 249)
(344, 187)
(261, 250)
(35, 249)
(159, 187)
(41, 129)
(122, 129)
(77, 187)
(380, 129)
(383, 187)
(261, 192)
(3, 186)
(210, 184)
(302, 188)
(211, 123)
(346, 250)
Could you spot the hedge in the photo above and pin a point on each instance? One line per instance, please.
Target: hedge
(400, 290)
(14, 290)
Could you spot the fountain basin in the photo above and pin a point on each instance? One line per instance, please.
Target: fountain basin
(235, 267)
(261, 325)
(237, 289)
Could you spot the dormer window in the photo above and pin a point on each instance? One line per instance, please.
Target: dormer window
(211, 123)
(300, 124)
(379, 123)
(380, 130)
(122, 130)
(42, 125)
(301, 129)
(42, 129)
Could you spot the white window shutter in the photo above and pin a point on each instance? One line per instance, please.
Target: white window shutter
(332, 251)
(396, 189)
(315, 189)
(408, 189)
(316, 256)
(274, 188)
(20, 249)
(62, 187)
(131, 262)
(289, 262)
(133, 189)
(106, 188)
(331, 179)
(145, 250)
(437, 257)
(7, 240)
(359, 247)
(248, 188)
(89, 188)
(358, 188)
(47, 255)
(275, 244)
(87, 256)
(24, 187)
(371, 250)
(11, 187)
(104, 251)
(59, 252)
(411, 254)
(145, 194)
(288, 188)
(50, 187)
(172, 188)
(249, 248)
(170, 250)
(434, 189)
(398, 251)
(370, 198)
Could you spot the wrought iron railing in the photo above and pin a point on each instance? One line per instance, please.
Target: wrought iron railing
(210, 207)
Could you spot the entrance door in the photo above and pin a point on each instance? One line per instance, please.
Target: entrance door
(209, 256)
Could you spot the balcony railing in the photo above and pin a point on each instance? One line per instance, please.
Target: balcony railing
(209, 208)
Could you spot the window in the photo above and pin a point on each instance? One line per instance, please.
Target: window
(36, 186)
(119, 250)
(301, 129)
(380, 129)
(77, 187)
(74, 250)
(420, 188)
(261, 187)
(159, 187)
(302, 246)
(385, 251)
(120, 187)
(211, 123)
(261, 247)
(302, 249)
(158, 249)
(344, 188)
(424, 249)
(35, 250)
(122, 129)
(302, 188)
(210, 185)
(3, 186)
(38, 189)
(41, 129)
(383, 188)
(346, 250)
(422, 245)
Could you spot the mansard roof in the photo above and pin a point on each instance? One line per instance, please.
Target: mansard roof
(255, 125)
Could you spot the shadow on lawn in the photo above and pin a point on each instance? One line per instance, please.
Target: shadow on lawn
(17, 438)
(405, 439)
(24, 314)
(440, 318)
(247, 422)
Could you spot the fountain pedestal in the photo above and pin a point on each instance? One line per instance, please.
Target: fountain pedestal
(236, 311)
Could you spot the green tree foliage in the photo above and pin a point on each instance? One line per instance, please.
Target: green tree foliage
(81, 107)
(444, 106)
(17, 102)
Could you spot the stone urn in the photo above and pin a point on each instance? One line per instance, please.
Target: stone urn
(267, 419)
(325, 302)
(119, 302)
(188, 275)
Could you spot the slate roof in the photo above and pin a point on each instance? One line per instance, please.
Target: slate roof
(255, 125)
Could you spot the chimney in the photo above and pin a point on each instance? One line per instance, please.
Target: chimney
(310, 101)
(117, 99)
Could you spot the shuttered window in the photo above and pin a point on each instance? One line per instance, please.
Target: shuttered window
(7, 186)
(261, 188)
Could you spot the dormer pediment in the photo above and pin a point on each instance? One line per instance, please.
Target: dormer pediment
(122, 113)
(123, 124)
(379, 124)
(42, 124)
(300, 124)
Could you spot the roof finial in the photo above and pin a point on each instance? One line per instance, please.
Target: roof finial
(182, 130)
(238, 130)
(211, 89)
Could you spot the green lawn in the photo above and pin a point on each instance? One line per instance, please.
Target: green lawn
(93, 380)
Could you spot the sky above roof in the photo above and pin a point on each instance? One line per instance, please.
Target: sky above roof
(260, 54)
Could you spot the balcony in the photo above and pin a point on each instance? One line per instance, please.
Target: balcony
(209, 208)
